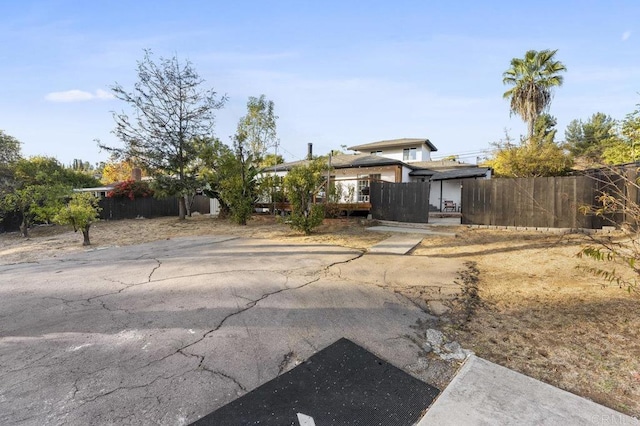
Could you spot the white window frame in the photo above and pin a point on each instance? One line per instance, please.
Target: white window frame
(409, 154)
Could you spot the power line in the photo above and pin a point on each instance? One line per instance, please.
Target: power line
(463, 154)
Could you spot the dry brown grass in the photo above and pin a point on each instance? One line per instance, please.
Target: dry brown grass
(55, 241)
(537, 314)
(542, 316)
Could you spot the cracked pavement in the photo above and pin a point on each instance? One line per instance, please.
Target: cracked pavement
(166, 332)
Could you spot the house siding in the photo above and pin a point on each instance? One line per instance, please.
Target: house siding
(348, 178)
(422, 153)
(445, 190)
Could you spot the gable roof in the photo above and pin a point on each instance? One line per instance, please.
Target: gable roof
(393, 143)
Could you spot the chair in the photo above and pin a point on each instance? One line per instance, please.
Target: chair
(449, 206)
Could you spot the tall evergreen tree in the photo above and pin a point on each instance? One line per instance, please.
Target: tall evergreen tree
(590, 138)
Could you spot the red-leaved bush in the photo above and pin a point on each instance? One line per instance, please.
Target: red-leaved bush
(131, 189)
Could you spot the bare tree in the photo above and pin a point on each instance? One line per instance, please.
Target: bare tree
(618, 205)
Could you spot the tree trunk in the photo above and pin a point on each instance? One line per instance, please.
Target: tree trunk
(24, 228)
(182, 208)
(85, 235)
(530, 128)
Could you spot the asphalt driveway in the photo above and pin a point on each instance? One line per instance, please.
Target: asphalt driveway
(166, 332)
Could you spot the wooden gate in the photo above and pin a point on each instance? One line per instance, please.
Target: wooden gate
(400, 202)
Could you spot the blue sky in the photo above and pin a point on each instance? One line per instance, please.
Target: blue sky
(340, 72)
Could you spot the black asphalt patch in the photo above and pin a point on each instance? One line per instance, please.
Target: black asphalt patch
(342, 384)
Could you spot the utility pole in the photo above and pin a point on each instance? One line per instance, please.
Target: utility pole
(275, 179)
(326, 193)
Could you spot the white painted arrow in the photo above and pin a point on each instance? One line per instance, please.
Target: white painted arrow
(305, 420)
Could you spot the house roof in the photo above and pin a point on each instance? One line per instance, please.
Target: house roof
(458, 173)
(453, 170)
(441, 165)
(108, 187)
(393, 143)
(344, 161)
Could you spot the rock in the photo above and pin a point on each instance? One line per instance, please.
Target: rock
(437, 308)
(435, 338)
(427, 347)
(454, 352)
(452, 347)
(458, 356)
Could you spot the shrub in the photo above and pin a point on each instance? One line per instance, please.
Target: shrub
(301, 183)
(131, 189)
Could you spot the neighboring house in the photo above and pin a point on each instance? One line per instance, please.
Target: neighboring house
(354, 172)
(407, 150)
(397, 161)
(98, 191)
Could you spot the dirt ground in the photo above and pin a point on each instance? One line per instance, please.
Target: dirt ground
(527, 306)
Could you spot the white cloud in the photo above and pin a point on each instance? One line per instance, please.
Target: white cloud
(76, 95)
(626, 35)
(103, 94)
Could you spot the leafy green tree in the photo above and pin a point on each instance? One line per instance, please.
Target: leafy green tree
(42, 170)
(9, 155)
(169, 113)
(589, 139)
(9, 149)
(257, 129)
(81, 212)
(301, 184)
(238, 184)
(626, 148)
(540, 156)
(39, 187)
(216, 160)
(621, 153)
(271, 160)
(237, 169)
(533, 79)
(34, 203)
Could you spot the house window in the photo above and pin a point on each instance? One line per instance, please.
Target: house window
(376, 152)
(408, 154)
(364, 184)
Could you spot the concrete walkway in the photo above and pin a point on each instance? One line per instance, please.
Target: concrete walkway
(396, 244)
(484, 393)
(417, 228)
(406, 230)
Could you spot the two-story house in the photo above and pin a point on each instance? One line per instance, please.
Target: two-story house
(398, 161)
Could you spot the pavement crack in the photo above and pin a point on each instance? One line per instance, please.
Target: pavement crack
(154, 269)
(124, 388)
(286, 361)
(250, 305)
(205, 274)
(226, 376)
(342, 262)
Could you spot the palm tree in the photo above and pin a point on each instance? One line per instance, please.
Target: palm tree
(533, 79)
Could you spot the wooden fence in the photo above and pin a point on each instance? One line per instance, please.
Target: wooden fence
(401, 202)
(552, 202)
(124, 208)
